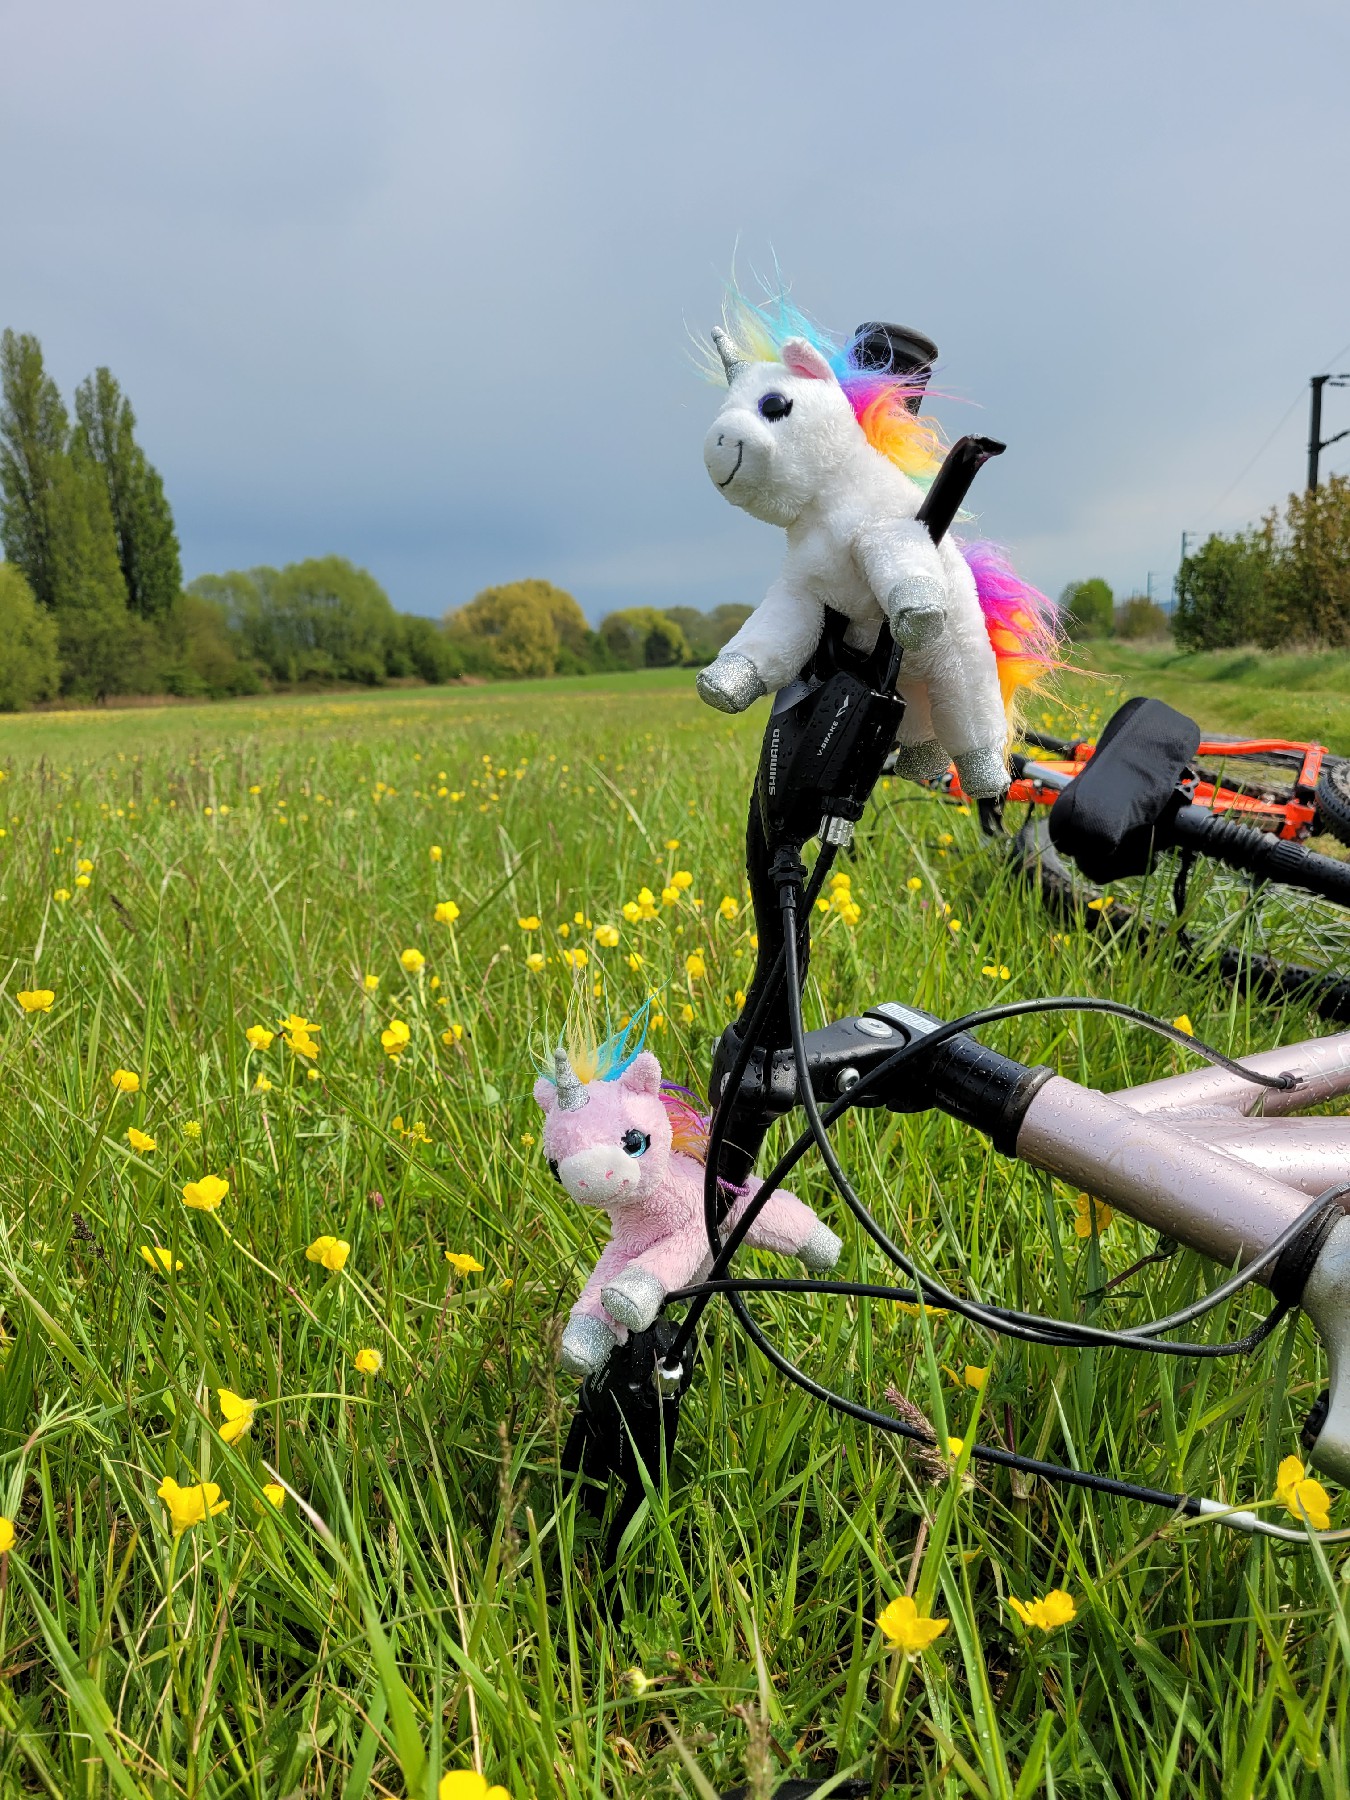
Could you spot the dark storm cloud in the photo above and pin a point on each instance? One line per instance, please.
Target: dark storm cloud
(411, 283)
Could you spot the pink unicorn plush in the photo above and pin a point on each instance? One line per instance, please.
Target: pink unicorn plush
(625, 1141)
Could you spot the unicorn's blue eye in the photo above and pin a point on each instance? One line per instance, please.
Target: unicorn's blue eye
(774, 407)
(635, 1143)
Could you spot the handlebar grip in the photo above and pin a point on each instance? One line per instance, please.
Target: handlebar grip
(1268, 859)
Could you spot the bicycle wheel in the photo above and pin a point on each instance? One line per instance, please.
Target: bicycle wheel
(1283, 944)
(1333, 798)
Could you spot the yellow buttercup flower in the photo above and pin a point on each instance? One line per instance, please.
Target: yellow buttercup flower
(82, 881)
(84, 866)
(468, 1784)
(192, 1128)
(395, 1038)
(462, 1263)
(36, 999)
(914, 883)
(369, 1362)
(974, 1376)
(371, 983)
(261, 1038)
(682, 879)
(1090, 1213)
(446, 913)
(160, 1259)
(1057, 1608)
(126, 1081)
(205, 1195)
(188, 1506)
(695, 967)
(607, 936)
(6, 1535)
(1302, 1496)
(672, 843)
(529, 923)
(332, 1252)
(293, 1022)
(274, 1494)
(575, 959)
(905, 1628)
(686, 1014)
(955, 1446)
(413, 960)
(263, 1086)
(140, 1141)
(237, 1414)
(727, 907)
(670, 896)
(534, 962)
(1183, 1024)
(436, 853)
(61, 895)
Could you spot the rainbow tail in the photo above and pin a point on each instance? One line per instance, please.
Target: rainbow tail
(1021, 621)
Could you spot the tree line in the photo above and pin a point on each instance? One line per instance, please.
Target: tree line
(1285, 581)
(93, 604)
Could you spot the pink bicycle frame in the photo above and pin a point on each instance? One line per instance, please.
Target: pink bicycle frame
(1219, 1164)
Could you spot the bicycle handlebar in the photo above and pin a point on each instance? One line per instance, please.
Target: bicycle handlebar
(1268, 859)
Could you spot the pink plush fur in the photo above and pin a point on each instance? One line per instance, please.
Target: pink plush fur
(613, 1150)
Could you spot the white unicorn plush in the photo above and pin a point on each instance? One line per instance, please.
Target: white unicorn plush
(809, 441)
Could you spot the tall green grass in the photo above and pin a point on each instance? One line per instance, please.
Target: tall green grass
(430, 1596)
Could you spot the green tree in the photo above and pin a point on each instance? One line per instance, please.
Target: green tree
(147, 545)
(199, 655)
(707, 632)
(639, 637)
(1087, 608)
(525, 628)
(29, 666)
(427, 650)
(34, 429)
(319, 620)
(1139, 617)
(56, 526)
(1308, 585)
(1223, 592)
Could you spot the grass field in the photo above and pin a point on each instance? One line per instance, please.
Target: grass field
(427, 1597)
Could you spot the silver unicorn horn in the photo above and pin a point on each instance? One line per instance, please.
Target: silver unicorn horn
(732, 360)
(572, 1095)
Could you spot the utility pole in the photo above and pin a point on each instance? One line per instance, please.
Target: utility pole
(1316, 442)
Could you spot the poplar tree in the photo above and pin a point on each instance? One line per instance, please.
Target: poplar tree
(147, 545)
(34, 430)
(56, 526)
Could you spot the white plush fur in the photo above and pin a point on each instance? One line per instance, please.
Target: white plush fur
(853, 544)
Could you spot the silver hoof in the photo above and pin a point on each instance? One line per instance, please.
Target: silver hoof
(731, 683)
(917, 610)
(920, 762)
(586, 1344)
(984, 774)
(633, 1298)
(821, 1249)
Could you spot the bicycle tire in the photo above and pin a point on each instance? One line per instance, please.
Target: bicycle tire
(1333, 798)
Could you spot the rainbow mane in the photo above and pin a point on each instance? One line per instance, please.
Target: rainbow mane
(1021, 621)
(880, 401)
(607, 1060)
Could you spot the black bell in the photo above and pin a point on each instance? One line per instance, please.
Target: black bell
(894, 350)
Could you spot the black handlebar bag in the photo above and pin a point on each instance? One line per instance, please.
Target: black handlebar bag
(1111, 817)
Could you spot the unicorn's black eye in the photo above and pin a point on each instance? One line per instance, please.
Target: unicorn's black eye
(553, 1169)
(635, 1143)
(774, 407)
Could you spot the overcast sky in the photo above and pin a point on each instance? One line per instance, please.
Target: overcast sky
(413, 282)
